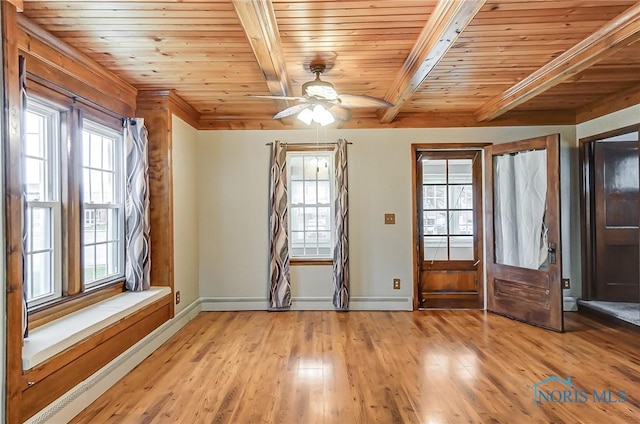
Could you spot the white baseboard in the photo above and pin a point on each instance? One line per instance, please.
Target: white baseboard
(211, 304)
(381, 303)
(569, 304)
(70, 404)
(307, 304)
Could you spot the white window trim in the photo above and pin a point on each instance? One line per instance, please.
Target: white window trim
(330, 154)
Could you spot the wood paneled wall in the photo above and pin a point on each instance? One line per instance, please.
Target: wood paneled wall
(13, 212)
(157, 108)
(60, 69)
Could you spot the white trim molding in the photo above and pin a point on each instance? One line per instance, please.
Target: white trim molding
(569, 304)
(308, 304)
(70, 404)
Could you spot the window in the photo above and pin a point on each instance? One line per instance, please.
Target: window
(43, 205)
(103, 180)
(310, 204)
(448, 209)
(66, 171)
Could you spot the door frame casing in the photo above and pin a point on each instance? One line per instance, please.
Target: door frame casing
(415, 148)
(587, 232)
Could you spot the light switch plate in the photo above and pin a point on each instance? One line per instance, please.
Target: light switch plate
(389, 218)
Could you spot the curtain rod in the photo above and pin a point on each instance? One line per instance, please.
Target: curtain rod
(75, 97)
(307, 144)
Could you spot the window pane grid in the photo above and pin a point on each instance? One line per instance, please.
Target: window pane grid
(103, 207)
(42, 250)
(447, 209)
(310, 205)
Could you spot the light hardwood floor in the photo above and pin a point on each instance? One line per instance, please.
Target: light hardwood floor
(375, 367)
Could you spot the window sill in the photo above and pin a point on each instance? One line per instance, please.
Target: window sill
(303, 262)
(56, 336)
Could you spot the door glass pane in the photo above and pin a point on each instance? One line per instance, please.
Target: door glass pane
(520, 190)
(461, 248)
(461, 222)
(460, 171)
(434, 171)
(435, 222)
(436, 249)
(435, 197)
(461, 197)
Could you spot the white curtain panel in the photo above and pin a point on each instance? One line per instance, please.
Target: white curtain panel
(520, 193)
(137, 226)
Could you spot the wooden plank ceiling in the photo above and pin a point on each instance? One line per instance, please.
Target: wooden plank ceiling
(441, 62)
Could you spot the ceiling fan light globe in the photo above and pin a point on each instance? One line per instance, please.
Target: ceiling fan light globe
(306, 116)
(322, 116)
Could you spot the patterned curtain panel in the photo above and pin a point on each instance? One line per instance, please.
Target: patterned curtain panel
(137, 226)
(279, 281)
(341, 247)
(23, 123)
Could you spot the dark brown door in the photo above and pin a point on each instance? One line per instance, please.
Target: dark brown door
(449, 201)
(523, 231)
(616, 221)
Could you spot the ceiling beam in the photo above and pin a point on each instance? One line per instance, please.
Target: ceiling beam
(448, 19)
(613, 36)
(258, 20)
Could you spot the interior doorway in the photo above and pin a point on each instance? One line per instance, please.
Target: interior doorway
(448, 226)
(611, 203)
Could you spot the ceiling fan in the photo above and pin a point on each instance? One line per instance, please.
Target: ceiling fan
(321, 103)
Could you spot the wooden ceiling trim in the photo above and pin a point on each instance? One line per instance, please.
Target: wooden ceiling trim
(65, 58)
(613, 36)
(259, 22)
(608, 104)
(454, 119)
(168, 100)
(447, 20)
(19, 4)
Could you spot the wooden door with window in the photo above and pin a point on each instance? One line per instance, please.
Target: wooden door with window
(523, 231)
(449, 229)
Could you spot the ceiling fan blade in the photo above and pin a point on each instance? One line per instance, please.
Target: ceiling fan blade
(291, 110)
(342, 113)
(260, 96)
(353, 101)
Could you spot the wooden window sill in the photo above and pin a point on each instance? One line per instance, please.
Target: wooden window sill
(305, 262)
(54, 337)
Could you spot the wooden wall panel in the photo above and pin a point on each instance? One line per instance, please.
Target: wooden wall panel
(96, 352)
(156, 111)
(56, 62)
(11, 149)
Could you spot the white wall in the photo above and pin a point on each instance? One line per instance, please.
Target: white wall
(185, 211)
(233, 171)
(613, 121)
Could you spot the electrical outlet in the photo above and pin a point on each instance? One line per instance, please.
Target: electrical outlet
(566, 284)
(396, 284)
(178, 297)
(389, 218)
